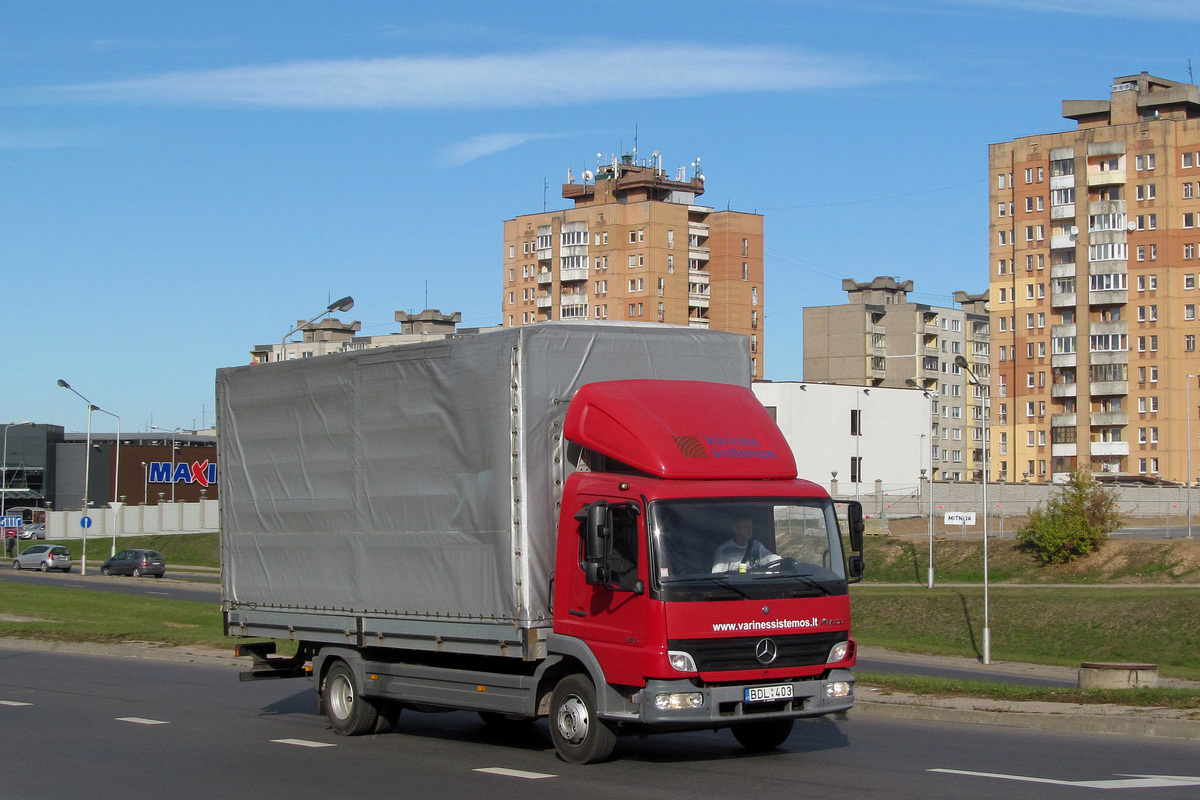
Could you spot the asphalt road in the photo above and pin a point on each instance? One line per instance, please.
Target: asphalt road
(106, 727)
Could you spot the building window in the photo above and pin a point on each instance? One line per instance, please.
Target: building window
(745, 271)
(1189, 312)
(1189, 343)
(670, 240)
(1188, 189)
(745, 247)
(1189, 221)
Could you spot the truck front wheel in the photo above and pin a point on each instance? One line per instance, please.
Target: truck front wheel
(350, 714)
(579, 735)
(761, 736)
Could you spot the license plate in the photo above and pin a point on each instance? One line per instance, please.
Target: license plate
(763, 694)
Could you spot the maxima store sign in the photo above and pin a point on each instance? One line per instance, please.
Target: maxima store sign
(201, 472)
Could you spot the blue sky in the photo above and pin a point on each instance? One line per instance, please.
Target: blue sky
(181, 181)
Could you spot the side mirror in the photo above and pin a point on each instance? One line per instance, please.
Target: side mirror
(854, 520)
(597, 540)
(856, 567)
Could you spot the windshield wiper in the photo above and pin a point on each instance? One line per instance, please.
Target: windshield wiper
(807, 579)
(723, 581)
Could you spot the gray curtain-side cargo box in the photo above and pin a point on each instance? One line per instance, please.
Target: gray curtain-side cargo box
(418, 484)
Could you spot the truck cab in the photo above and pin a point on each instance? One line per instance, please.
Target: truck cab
(698, 582)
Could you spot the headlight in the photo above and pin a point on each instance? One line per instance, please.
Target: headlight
(681, 661)
(837, 689)
(838, 652)
(663, 702)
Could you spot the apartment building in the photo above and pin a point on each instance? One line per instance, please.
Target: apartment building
(636, 246)
(1093, 272)
(880, 338)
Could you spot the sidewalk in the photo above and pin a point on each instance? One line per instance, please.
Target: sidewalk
(1068, 717)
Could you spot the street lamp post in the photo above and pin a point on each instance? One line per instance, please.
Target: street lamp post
(961, 361)
(4, 466)
(933, 398)
(345, 304)
(858, 432)
(87, 472)
(1187, 483)
(173, 433)
(116, 507)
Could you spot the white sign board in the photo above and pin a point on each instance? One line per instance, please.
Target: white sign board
(960, 517)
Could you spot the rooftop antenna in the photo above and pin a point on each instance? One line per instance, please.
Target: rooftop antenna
(545, 187)
(427, 294)
(635, 142)
(1190, 78)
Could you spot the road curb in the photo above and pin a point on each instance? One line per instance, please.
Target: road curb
(1122, 720)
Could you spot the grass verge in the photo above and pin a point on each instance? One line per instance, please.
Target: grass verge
(1039, 625)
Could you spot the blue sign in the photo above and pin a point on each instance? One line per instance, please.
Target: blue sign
(85, 522)
(201, 472)
(13, 521)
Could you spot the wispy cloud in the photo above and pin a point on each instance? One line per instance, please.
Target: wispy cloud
(1130, 9)
(466, 151)
(32, 140)
(550, 78)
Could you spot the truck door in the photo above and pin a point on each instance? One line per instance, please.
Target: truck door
(611, 615)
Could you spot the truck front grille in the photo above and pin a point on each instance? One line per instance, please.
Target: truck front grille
(741, 653)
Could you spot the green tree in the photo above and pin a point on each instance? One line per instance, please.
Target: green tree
(1074, 522)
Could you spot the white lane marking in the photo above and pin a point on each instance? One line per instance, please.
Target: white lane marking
(142, 721)
(1126, 781)
(164, 594)
(515, 773)
(303, 743)
(13, 703)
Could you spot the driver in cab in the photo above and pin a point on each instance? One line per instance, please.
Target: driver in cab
(742, 552)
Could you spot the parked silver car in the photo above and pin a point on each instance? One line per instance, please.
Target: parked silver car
(35, 531)
(44, 557)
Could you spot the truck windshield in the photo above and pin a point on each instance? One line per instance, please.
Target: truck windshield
(707, 549)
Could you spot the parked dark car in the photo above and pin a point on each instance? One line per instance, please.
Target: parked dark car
(44, 557)
(136, 563)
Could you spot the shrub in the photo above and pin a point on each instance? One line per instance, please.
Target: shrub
(1074, 522)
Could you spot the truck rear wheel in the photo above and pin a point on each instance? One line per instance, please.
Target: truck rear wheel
(579, 735)
(349, 713)
(760, 736)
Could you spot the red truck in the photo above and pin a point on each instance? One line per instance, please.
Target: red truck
(597, 524)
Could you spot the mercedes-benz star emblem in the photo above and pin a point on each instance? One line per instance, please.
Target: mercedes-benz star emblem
(766, 651)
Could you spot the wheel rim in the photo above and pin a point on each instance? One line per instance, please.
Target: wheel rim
(573, 720)
(341, 696)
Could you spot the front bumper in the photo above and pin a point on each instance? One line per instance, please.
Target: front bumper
(725, 704)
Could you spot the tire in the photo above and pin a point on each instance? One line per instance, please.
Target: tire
(105, 571)
(45, 567)
(579, 735)
(349, 713)
(137, 572)
(16, 564)
(759, 737)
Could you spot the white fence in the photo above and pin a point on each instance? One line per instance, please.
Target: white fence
(201, 517)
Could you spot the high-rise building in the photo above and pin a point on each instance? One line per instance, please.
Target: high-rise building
(635, 246)
(1093, 273)
(880, 338)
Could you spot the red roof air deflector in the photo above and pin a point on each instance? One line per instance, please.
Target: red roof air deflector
(680, 429)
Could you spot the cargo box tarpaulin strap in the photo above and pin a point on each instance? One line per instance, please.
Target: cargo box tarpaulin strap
(422, 480)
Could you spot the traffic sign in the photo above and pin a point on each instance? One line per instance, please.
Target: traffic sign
(85, 522)
(13, 521)
(960, 517)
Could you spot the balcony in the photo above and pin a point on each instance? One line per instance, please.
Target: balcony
(1063, 420)
(1063, 389)
(545, 255)
(1109, 388)
(698, 253)
(1108, 298)
(697, 323)
(573, 299)
(545, 278)
(1108, 177)
(1062, 241)
(1110, 448)
(1063, 299)
(698, 276)
(573, 274)
(1062, 271)
(544, 301)
(697, 300)
(1108, 419)
(1062, 212)
(1064, 360)
(1062, 181)
(1065, 450)
(1117, 326)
